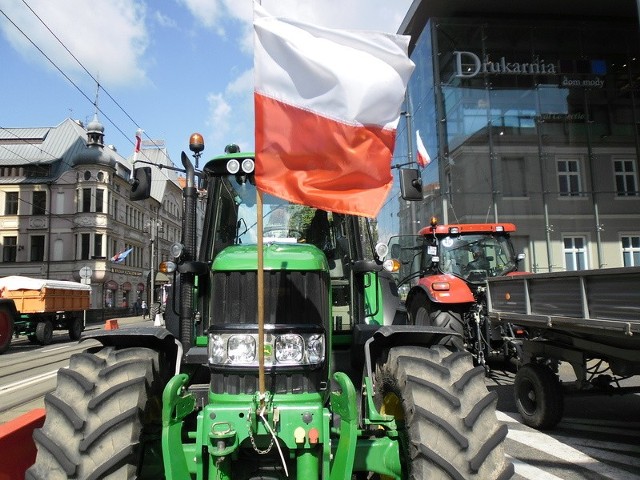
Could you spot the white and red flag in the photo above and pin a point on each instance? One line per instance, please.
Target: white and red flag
(327, 105)
(423, 156)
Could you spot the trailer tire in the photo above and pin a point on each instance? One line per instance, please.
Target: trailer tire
(44, 332)
(76, 326)
(6, 329)
(103, 419)
(446, 415)
(538, 396)
(154, 310)
(423, 312)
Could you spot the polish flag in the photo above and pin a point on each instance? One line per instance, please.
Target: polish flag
(327, 104)
(423, 156)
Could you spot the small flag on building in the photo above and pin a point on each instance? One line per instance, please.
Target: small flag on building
(120, 257)
(327, 104)
(423, 156)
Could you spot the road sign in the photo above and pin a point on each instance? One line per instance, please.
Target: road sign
(85, 272)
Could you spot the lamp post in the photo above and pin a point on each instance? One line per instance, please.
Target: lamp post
(153, 227)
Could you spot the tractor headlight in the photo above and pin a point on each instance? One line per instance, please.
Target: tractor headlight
(280, 349)
(217, 349)
(241, 349)
(289, 348)
(315, 349)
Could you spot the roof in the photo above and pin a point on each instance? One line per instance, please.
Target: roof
(41, 145)
(421, 11)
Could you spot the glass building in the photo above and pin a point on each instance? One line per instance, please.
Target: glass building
(529, 113)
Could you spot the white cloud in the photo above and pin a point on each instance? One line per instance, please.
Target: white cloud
(164, 20)
(108, 37)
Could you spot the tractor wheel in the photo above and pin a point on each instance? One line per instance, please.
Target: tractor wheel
(76, 327)
(445, 414)
(423, 312)
(44, 332)
(539, 397)
(103, 419)
(6, 329)
(154, 310)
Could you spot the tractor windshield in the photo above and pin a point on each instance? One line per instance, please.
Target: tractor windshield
(476, 257)
(233, 218)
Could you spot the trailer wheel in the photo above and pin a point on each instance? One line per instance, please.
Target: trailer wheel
(445, 414)
(103, 419)
(539, 397)
(6, 329)
(424, 312)
(44, 332)
(76, 326)
(154, 310)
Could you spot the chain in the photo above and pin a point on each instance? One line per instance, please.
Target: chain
(253, 442)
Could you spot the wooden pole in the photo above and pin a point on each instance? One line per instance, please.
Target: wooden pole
(260, 280)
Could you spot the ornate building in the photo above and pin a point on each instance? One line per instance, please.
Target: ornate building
(64, 199)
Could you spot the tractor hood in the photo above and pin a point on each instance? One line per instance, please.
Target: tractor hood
(277, 256)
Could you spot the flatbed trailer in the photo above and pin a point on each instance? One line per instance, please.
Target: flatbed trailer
(589, 319)
(35, 307)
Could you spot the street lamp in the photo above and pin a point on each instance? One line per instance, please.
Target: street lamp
(153, 227)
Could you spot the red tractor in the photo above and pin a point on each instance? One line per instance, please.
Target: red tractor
(442, 275)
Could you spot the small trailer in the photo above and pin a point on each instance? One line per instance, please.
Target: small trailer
(35, 307)
(589, 319)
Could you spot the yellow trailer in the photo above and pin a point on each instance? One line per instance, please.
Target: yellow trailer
(36, 306)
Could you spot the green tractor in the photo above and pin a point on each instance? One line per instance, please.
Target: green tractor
(330, 384)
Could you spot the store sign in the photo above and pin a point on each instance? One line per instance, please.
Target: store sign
(468, 65)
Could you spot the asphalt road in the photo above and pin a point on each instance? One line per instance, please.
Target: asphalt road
(597, 439)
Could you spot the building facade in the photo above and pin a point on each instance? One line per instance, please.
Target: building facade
(529, 113)
(64, 199)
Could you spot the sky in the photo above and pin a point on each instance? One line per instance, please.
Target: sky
(171, 67)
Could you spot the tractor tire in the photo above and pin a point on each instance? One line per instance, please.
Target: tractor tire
(423, 312)
(103, 419)
(6, 329)
(76, 326)
(539, 396)
(44, 332)
(445, 414)
(154, 310)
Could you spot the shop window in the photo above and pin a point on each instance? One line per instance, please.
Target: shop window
(39, 203)
(9, 249)
(630, 250)
(569, 177)
(11, 203)
(37, 248)
(626, 177)
(575, 253)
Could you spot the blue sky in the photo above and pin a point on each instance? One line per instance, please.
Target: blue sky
(175, 66)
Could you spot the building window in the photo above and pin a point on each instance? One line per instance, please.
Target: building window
(86, 199)
(39, 203)
(37, 248)
(569, 177)
(85, 242)
(575, 253)
(513, 177)
(9, 249)
(99, 200)
(97, 246)
(11, 203)
(626, 177)
(631, 250)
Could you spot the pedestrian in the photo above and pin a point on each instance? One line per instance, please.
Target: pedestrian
(144, 309)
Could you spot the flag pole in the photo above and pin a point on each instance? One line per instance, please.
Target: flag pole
(260, 295)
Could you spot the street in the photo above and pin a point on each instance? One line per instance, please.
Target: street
(597, 438)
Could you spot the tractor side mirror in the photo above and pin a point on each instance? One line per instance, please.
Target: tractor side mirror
(410, 184)
(141, 184)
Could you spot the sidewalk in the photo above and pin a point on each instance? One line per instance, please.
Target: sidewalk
(121, 321)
